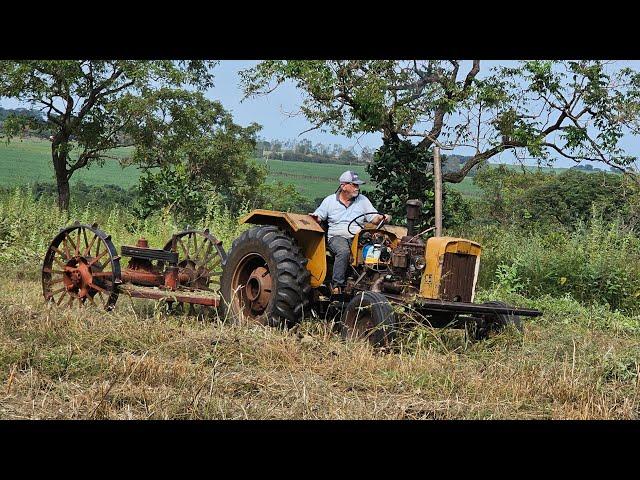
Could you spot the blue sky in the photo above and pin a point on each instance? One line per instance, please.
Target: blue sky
(277, 112)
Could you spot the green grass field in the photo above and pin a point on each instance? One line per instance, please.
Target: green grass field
(315, 180)
(29, 161)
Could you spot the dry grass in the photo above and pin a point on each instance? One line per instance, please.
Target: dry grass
(138, 363)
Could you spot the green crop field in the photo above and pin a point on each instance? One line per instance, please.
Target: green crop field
(29, 160)
(315, 180)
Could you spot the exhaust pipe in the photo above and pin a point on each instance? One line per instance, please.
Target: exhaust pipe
(414, 209)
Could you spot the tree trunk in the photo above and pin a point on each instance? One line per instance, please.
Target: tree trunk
(62, 180)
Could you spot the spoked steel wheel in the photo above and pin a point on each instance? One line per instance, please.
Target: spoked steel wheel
(81, 265)
(200, 260)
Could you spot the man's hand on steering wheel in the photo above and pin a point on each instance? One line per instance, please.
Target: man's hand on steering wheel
(381, 217)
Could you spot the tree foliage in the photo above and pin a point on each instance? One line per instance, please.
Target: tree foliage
(401, 171)
(547, 199)
(575, 109)
(94, 106)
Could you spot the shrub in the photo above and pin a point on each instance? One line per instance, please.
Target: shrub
(597, 262)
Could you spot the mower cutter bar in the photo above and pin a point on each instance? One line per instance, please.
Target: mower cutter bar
(463, 307)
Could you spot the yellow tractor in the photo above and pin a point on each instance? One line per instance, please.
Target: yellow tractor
(278, 273)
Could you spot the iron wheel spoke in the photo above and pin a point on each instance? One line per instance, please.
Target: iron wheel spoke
(67, 256)
(75, 247)
(64, 294)
(90, 245)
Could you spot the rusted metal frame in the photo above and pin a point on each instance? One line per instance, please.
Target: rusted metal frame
(173, 296)
(143, 277)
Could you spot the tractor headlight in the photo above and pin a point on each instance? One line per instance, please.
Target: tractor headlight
(419, 262)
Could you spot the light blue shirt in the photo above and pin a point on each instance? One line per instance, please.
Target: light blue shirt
(339, 215)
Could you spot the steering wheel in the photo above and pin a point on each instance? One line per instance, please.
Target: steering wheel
(355, 220)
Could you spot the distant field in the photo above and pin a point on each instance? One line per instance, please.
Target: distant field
(315, 180)
(29, 161)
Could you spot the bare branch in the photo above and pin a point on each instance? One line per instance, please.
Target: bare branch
(471, 75)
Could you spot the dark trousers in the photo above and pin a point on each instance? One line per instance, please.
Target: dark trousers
(341, 249)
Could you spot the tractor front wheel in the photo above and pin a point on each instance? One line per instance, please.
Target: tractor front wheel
(265, 278)
(369, 316)
(493, 323)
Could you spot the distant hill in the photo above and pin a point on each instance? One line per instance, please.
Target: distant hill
(5, 112)
(41, 132)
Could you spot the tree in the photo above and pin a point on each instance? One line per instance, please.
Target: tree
(538, 198)
(400, 173)
(94, 106)
(576, 109)
(346, 156)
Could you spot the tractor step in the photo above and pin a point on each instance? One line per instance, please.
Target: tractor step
(198, 297)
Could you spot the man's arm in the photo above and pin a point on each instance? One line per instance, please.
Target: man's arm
(368, 207)
(321, 213)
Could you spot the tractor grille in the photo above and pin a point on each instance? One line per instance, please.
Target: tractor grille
(456, 283)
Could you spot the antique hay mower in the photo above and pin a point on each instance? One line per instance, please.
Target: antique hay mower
(82, 265)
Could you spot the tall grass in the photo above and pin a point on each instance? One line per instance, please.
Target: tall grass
(27, 227)
(577, 361)
(598, 262)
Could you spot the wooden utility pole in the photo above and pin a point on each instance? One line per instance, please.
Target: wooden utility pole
(437, 179)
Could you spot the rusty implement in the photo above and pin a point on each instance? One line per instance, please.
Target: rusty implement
(82, 266)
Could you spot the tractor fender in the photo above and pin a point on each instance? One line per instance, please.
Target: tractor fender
(309, 236)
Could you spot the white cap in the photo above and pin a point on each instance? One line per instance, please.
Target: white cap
(350, 177)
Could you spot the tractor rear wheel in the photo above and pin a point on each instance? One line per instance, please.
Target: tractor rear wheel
(370, 316)
(265, 278)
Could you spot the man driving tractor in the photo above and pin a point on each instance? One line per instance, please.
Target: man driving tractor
(338, 210)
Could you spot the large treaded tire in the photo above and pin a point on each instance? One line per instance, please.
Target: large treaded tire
(370, 316)
(271, 248)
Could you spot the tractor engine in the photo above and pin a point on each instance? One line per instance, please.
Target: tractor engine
(443, 268)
